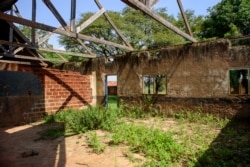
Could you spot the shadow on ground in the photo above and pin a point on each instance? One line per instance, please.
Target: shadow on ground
(23, 146)
(231, 148)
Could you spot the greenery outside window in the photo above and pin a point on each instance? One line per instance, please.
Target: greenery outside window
(239, 81)
(154, 84)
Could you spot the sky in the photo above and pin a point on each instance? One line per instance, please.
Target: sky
(63, 6)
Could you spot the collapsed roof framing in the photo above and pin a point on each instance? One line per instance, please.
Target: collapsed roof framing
(17, 42)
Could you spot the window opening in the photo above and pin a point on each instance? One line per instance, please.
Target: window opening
(239, 81)
(154, 84)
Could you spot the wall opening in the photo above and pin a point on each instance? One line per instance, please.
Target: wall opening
(239, 81)
(154, 84)
(111, 91)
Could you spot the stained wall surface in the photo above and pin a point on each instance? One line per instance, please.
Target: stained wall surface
(197, 77)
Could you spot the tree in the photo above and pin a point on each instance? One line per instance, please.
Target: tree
(227, 18)
(195, 22)
(27, 32)
(146, 32)
(141, 31)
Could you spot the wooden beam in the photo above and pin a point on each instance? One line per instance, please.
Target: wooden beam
(15, 62)
(63, 23)
(56, 13)
(158, 18)
(85, 47)
(184, 17)
(59, 55)
(3, 49)
(59, 31)
(73, 16)
(17, 44)
(113, 25)
(30, 58)
(67, 53)
(90, 20)
(44, 49)
(42, 40)
(11, 31)
(33, 30)
(16, 11)
(28, 45)
(37, 58)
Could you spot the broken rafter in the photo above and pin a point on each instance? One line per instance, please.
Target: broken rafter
(138, 5)
(59, 31)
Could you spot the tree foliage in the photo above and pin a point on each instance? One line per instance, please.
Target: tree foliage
(141, 31)
(227, 19)
(195, 22)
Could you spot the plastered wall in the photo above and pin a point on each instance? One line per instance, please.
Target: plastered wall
(197, 77)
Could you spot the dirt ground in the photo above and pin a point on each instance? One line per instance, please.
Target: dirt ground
(19, 147)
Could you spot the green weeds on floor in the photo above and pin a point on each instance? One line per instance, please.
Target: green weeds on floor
(184, 139)
(95, 143)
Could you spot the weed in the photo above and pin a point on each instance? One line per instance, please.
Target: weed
(95, 143)
(195, 139)
(80, 121)
(154, 143)
(49, 118)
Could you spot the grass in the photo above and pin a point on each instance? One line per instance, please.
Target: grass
(186, 139)
(95, 143)
(112, 102)
(159, 147)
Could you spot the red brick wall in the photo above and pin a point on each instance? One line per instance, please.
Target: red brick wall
(61, 90)
(64, 89)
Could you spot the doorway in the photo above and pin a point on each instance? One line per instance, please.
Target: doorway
(111, 91)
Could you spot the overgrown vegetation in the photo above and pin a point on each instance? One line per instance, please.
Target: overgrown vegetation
(185, 139)
(159, 147)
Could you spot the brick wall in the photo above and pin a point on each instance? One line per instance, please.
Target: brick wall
(64, 89)
(60, 90)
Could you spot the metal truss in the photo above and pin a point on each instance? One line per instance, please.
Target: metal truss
(17, 43)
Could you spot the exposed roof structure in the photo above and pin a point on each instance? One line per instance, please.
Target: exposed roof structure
(15, 46)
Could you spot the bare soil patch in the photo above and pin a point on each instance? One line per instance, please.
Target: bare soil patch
(21, 147)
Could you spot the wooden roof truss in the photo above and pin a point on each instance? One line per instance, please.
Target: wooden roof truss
(34, 45)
